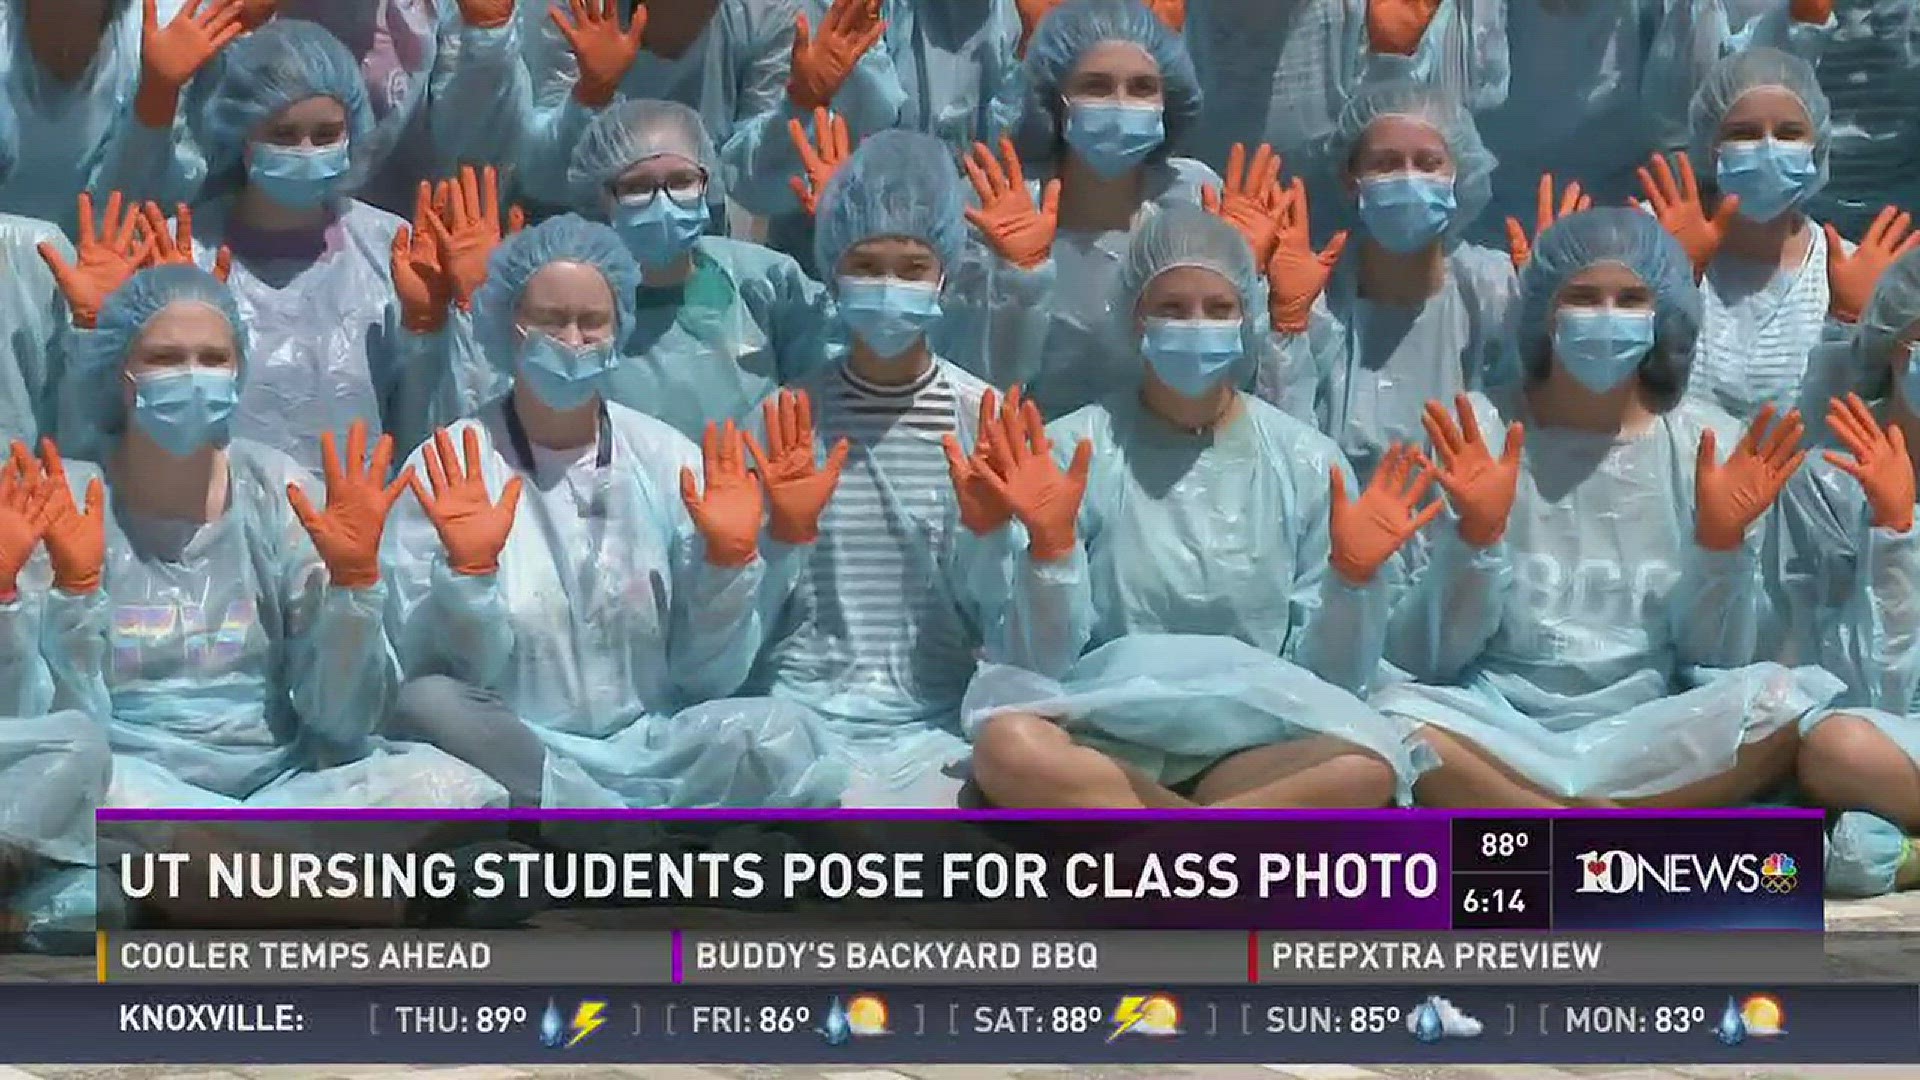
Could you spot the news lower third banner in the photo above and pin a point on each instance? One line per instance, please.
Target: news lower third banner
(702, 873)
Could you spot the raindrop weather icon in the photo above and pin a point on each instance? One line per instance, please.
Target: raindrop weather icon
(1427, 1026)
(836, 1030)
(552, 1028)
(1732, 1028)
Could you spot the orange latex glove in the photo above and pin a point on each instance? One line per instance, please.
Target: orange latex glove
(24, 516)
(727, 514)
(486, 14)
(473, 528)
(1171, 12)
(103, 259)
(76, 539)
(1572, 201)
(347, 532)
(1812, 12)
(821, 64)
(821, 162)
(419, 282)
(1851, 276)
(1296, 275)
(1012, 226)
(466, 228)
(176, 247)
(797, 490)
(1250, 200)
(601, 48)
(1879, 461)
(1026, 479)
(981, 509)
(171, 55)
(1396, 26)
(1480, 486)
(1677, 204)
(1365, 532)
(1730, 497)
(1031, 14)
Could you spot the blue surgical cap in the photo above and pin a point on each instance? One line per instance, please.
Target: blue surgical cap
(1065, 35)
(897, 183)
(629, 132)
(1895, 306)
(1732, 78)
(262, 73)
(567, 238)
(1189, 236)
(1473, 163)
(126, 313)
(1634, 239)
(9, 137)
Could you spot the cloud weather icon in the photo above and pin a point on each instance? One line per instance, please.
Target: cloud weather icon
(1437, 1018)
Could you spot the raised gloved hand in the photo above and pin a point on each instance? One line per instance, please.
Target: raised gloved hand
(486, 14)
(1851, 276)
(420, 283)
(347, 532)
(466, 228)
(1677, 204)
(473, 528)
(1031, 14)
(602, 50)
(819, 163)
(822, 63)
(165, 248)
(1811, 12)
(982, 510)
(727, 513)
(1396, 26)
(104, 259)
(1171, 12)
(1026, 479)
(1879, 461)
(797, 490)
(1365, 532)
(1572, 201)
(1479, 486)
(76, 539)
(171, 55)
(24, 516)
(1730, 497)
(1012, 226)
(1297, 275)
(1250, 200)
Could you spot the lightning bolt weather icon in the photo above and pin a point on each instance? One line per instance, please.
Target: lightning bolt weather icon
(586, 1021)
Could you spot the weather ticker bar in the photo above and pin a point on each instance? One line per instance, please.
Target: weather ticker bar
(858, 1024)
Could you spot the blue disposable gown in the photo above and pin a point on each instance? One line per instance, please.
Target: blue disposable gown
(1365, 370)
(227, 671)
(1761, 331)
(949, 70)
(607, 631)
(1597, 649)
(34, 343)
(1198, 615)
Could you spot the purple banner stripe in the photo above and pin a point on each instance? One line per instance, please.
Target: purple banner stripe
(898, 814)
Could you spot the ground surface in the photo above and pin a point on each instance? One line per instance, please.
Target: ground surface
(1888, 914)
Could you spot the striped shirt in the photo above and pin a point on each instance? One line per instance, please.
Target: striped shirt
(1760, 324)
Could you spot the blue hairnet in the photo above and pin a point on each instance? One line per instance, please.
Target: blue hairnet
(1895, 306)
(630, 132)
(1473, 163)
(283, 63)
(1189, 236)
(9, 137)
(1057, 46)
(1634, 239)
(567, 238)
(1757, 67)
(125, 314)
(897, 183)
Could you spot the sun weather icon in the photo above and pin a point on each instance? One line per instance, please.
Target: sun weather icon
(1779, 873)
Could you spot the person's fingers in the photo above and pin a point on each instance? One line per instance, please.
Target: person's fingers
(982, 187)
(302, 508)
(1784, 435)
(474, 472)
(842, 137)
(1757, 430)
(223, 263)
(958, 468)
(803, 413)
(1836, 247)
(1437, 436)
(1878, 227)
(1336, 488)
(837, 457)
(490, 193)
(1081, 464)
(1237, 167)
(1543, 203)
(1335, 246)
(420, 494)
(1570, 201)
(1050, 202)
(1517, 244)
(759, 457)
(1723, 214)
(992, 167)
(156, 223)
(1469, 420)
(1210, 199)
(689, 489)
(1707, 458)
(1016, 176)
(398, 487)
(434, 458)
(510, 496)
(802, 192)
(1846, 465)
(1897, 442)
(1689, 184)
(1516, 443)
(1425, 516)
(330, 461)
(353, 465)
(85, 206)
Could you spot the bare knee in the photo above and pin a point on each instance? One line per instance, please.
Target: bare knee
(1841, 746)
(1368, 780)
(1018, 749)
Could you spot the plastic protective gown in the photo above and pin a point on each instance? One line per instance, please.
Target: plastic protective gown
(1597, 649)
(608, 632)
(1198, 616)
(33, 347)
(949, 70)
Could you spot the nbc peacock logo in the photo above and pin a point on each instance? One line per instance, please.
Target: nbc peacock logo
(1779, 874)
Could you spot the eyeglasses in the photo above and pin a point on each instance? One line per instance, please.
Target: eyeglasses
(681, 192)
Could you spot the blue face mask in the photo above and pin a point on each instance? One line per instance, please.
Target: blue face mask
(1192, 355)
(297, 178)
(660, 231)
(1112, 138)
(562, 376)
(1770, 176)
(1601, 347)
(185, 410)
(1406, 211)
(888, 314)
